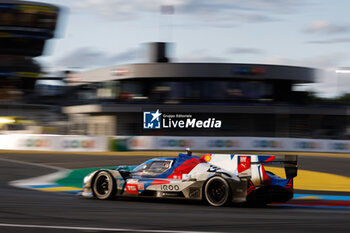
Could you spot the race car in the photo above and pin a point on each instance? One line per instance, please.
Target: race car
(217, 179)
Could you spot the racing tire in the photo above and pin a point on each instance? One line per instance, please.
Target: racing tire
(217, 191)
(104, 186)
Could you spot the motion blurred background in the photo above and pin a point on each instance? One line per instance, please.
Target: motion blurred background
(82, 76)
(270, 71)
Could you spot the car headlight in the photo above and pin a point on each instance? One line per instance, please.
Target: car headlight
(87, 178)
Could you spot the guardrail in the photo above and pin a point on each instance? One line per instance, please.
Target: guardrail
(76, 143)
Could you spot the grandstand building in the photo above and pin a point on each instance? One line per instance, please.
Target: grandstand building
(249, 99)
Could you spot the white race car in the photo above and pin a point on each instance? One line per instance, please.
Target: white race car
(216, 178)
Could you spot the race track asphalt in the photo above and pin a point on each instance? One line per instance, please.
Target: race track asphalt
(45, 212)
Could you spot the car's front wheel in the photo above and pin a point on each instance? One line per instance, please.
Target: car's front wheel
(217, 191)
(104, 186)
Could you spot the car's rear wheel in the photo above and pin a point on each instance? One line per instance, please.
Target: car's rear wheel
(217, 191)
(104, 186)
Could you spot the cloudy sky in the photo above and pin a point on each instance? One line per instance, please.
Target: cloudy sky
(315, 33)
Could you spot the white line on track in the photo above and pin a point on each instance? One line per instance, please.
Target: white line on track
(48, 179)
(33, 164)
(40, 180)
(94, 228)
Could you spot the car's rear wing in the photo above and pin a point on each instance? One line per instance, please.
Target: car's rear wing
(243, 163)
(290, 163)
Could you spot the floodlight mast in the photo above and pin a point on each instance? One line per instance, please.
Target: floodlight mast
(165, 23)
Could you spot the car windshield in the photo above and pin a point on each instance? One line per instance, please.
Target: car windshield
(152, 168)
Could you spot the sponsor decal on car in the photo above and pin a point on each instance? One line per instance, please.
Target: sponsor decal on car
(131, 188)
(243, 167)
(141, 186)
(169, 187)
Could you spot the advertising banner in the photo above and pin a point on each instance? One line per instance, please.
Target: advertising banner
(237, 144)
(28, 142)
(53, 142)
(84, 143)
